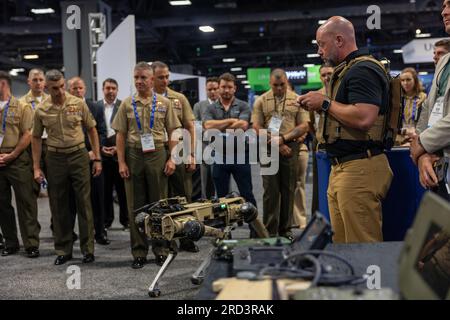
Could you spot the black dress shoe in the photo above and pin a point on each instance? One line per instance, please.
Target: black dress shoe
(88, 258)
(188, 245)
(103, 241)
(139, 262)
(62, 259)
(160, 259)
(9, 251)
(32, 252)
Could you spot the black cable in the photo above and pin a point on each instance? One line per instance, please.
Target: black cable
(319, 253)
(291, 267)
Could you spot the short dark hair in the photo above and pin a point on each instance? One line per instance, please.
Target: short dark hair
(325, 65)
(5, 76)
(212, 79)
(278, 73)
(159, 64)
(53, 75)
(110, 80)
(227, 77)
(443, 43)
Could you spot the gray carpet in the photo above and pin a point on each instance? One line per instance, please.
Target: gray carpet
(110, 276)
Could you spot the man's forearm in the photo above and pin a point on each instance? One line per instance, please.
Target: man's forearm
(241, 124)
(36, 148)
(93, 138)
(172, 144)
(221, 125)
(23, 143)
(297, 132)
(120, 147)
(191, 128)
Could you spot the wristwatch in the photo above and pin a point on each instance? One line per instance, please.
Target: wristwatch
(326, 104)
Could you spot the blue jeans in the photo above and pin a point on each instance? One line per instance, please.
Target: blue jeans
(242, 175)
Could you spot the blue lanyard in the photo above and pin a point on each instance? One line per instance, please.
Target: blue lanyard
(5, 113)
(136, 115)
(33, 104)
(413, 115)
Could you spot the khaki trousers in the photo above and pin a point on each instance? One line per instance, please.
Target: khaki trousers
(299, 219)
(147, 184)
(19, 175)
(66, 171)
(278, 198)
(355, 191)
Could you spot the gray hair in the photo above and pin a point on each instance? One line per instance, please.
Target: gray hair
(53, 75)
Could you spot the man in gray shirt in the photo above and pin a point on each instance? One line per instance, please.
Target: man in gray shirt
(230, 113)
(212, 91)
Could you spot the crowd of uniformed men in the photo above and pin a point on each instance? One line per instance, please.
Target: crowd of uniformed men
(84, 150)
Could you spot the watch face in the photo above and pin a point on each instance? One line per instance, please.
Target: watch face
(325, 105)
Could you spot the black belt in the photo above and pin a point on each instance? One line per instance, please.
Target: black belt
(357, 156)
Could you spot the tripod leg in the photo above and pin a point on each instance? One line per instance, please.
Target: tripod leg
(153, 290)
(199, 275)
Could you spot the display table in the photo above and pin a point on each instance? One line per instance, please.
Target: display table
(384, 255)
(402, 200)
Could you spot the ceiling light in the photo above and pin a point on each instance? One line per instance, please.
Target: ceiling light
(180, 3)
(236, 69)
(321, 22)
(241, 76)
(15, 72)
(245, 82)
(423, 73)
(206, 29)
(219, 46)
(423, 35)
(398, 51)
(229, 59)
(314, 41)
(312, 55)
(309, 65)
(31, 57)
(43, 11)
(248, 87)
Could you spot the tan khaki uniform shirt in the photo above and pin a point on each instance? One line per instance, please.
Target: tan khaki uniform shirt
(64, 124)
(165, 119)
(31, 100)
(266, 106)
(19, 119)
(181, 106)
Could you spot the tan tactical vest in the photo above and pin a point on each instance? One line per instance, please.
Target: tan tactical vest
(331, 129)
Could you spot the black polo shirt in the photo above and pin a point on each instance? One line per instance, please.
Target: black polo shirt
(365, 82)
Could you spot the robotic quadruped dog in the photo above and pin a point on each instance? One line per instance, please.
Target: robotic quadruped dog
(175, 218)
